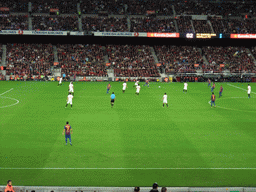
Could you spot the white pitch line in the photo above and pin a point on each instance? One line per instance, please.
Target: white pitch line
(239, 88)
(6, 91)
(193, 168)
(17, 101)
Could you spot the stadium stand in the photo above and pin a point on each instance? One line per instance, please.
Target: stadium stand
(112, 24)
(235, 59)
(29, 59)
(82, 60)
(185, 25)
(161, 7)
(13, 22)
(218, 26)
(110, 6)
(179, 59)
(201, 26)
(242, 26)
(15, 6)
(44, 6)
(150, 24)
(132, 61)
(55, 23)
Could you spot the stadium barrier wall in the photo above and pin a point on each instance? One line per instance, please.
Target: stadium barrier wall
(128, 189)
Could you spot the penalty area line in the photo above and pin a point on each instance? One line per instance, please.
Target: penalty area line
(6, 91)
(239, 88)
(120, 168)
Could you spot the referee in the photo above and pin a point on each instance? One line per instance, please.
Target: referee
(112, 99)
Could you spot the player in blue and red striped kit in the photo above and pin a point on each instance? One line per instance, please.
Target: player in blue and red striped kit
(213, 87)
(68, 131)
(220, 93)
(213, 100)
(209, 83)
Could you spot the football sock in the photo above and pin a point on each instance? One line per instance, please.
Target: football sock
(71, 106)
(163, 105)
(167, 105)
(66, 105)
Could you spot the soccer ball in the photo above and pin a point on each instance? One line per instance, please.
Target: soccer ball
(159, 87)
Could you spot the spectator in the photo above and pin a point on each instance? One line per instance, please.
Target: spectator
(137, 189)
(9, 187)
(155, 186)
(164, 189)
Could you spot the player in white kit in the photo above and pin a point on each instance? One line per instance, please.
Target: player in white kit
(185, 87)
(60, 81)
(136, 83)
(69, 100)
(138, 89)
(249, 91)
(71, 88)
(124, 86)
(164, 99)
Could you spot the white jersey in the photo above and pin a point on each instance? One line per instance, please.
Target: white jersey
(165, 99)
(185, 86)
(71, 87)
(124, 86)
(138, 89)
(70, 97)
(136, 83)
(249, 89)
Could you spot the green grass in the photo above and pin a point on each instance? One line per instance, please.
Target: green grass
(136, 133)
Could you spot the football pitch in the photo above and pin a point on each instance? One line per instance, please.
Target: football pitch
(135, 143)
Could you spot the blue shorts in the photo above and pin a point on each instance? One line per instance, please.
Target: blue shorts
(212, 102)
(67, 136)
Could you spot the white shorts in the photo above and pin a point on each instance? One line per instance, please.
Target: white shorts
(124, 89)
(164, 101)
(137, 91)
(249, 92)
(69, 102)
(185, 89)
(71, 90)
(59, 82)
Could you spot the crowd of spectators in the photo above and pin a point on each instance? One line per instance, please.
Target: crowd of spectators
(110, 24)
(15, 6)
(253, 51)
(13, 22)
(184, 25)
(151, 24)
(97, 6)
(161, 7)
(82, 60)
(55, 23)
(63, 6)
(132, 61)
(202, 26)
(235, 59)
(179, 58)
(29, 59)
(218, 26)
(242, 26)
(210, 8)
